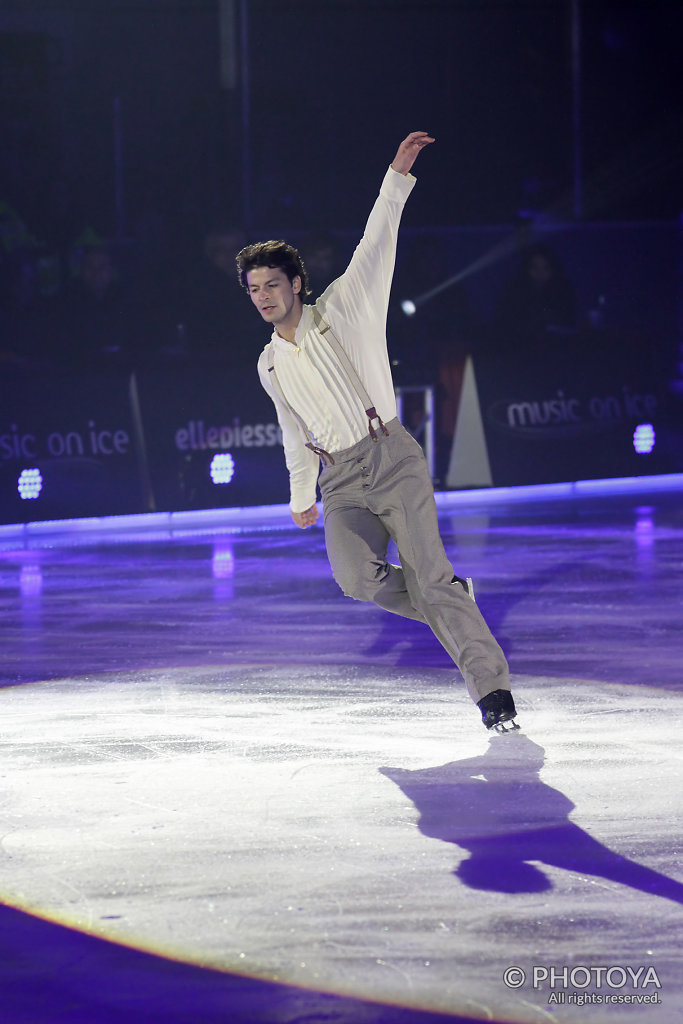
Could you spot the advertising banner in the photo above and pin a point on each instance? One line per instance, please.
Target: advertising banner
(163, 440)
(212, 439)
(68, 448)
(578, 415)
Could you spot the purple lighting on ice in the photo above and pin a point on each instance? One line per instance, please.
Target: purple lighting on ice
(223, 562)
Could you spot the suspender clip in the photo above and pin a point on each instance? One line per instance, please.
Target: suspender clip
(372, 414)
(322, 454)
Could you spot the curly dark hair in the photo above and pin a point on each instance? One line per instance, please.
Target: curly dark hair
(272, 254)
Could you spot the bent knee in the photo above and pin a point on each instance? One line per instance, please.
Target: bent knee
(361, 584)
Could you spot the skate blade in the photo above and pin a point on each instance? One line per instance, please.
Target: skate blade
(510, 726)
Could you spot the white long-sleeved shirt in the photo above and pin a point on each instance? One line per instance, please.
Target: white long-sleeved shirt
(311, 378)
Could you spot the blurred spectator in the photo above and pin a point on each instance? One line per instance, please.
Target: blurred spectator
(322, 259)
(442, 327)
(431, 346)
(215, 317)
(18, 298)
(99, 325)
(537, 305)
(14, 234)
(29, 284)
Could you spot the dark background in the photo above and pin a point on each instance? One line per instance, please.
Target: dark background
(145, 127)
(332, 87)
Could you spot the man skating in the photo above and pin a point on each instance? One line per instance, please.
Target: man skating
(327, 370)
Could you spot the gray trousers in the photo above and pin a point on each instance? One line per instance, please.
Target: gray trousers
(380, 490)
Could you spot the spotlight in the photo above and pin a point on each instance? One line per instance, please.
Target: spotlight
(222, 468)
(644, 438)
(408, 307)
(30, 484)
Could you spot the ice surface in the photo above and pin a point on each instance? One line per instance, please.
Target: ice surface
(208, 754)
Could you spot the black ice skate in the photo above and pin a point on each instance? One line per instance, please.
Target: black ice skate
(496, 708)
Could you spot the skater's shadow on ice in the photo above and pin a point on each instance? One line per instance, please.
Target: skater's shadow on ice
(497, 808)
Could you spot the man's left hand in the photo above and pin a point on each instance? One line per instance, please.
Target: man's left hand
(409, 150)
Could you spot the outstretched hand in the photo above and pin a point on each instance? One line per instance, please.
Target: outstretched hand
(408, 151)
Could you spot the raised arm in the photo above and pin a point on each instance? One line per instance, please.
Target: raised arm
(361, 294)
(409, 150)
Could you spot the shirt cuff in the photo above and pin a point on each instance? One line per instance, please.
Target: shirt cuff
(397, 186)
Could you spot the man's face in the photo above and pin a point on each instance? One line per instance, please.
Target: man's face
(275, 297)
